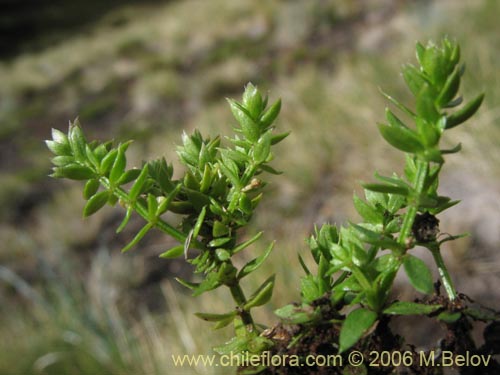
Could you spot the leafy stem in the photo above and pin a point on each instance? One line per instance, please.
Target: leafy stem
(216, 196)
(409, 219)
(143, 211)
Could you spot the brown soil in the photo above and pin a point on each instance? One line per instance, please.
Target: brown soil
(322, 340)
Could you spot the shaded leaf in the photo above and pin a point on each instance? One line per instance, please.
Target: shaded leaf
(418, 273)
(411, 308)
(449, 316)
(356, 324)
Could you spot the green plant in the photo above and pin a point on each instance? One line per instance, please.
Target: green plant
(399, 211)
(216, 196)
(222, 186)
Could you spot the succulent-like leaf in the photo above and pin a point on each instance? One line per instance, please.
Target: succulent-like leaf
(95, 203)
(74, 171)
(90, 188)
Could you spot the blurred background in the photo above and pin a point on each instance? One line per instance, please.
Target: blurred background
(70, 303)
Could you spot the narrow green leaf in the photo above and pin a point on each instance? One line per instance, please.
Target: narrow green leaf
(356, 324)
(125, 220)
(219, 229)
(95, 203)
(403, 139)
(59, 137)
(230, 170)
(377, 239)
(174, 252)
(152, 207)
(367, 212)
(256, 262)
(465, 113)
(181, 207)
(248, 125)
(413, 78)
(136, 188)
(293, 314)
(309, 290)
(235, 345)
(428, 132)
(166, 202)
(275, 139)
(450, 88)
(483, 314)
(449, 316)
(304, 267)
(219, 242)
(186, 283)
(223, 323)
(118, 167)
(91, 157)
(410, 308)
(262, 149)
(418, 273)
(128, 176)
(252, 100)
(222, 254)
(206, 179)
(420, 52)
(245, 204)
(261, 295)
(199, 222)
(384, 188)
(90, 188)
(270, 115)
(74, 172)
(210, 282)
(107, 161)
(62, 160)
(453, 150)
(269, 169)
(60, 149)
(399, 105)
(138, 237)
(216, 317)
(77, 141)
